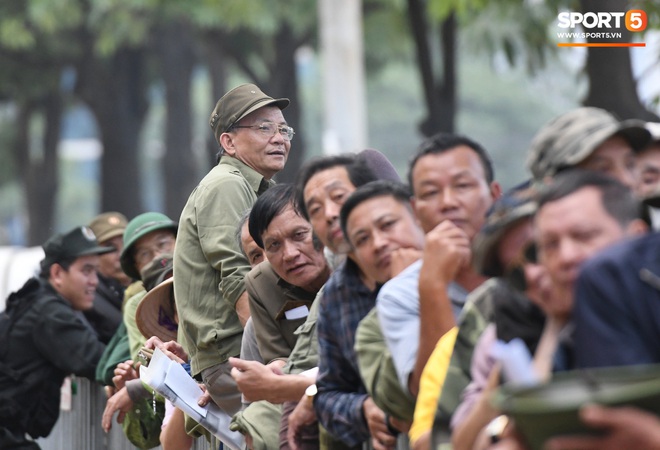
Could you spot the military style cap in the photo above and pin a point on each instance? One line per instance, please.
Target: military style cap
(506, 212)
(570, 138)
(138, 227)
(108, 225)
(238, 103)
(80, 241)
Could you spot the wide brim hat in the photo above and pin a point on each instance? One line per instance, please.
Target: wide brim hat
(154, 315)
(552, 409)
(138, 227)
(238, 103)
(570, 138)
(508, 211)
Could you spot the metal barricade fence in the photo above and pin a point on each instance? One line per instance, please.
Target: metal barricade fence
(80, 428)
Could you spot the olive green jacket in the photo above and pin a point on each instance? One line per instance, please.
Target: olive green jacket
(209, 267)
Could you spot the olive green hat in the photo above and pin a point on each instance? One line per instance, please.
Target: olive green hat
(108, 225)
(238, 103)
(138, 227)
(570, 138)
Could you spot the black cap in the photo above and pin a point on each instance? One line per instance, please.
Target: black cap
(78, 242)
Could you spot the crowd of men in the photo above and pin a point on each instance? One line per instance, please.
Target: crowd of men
(352, 309)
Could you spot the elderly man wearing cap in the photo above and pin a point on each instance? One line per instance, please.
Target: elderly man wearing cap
(105, 314)
(209, 267)
(590, 139)
(44, 340)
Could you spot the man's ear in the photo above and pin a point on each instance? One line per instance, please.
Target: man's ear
(227, 143)
(56, 272)
(495, 190)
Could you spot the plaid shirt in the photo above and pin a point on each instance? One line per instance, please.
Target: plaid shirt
(341, 392)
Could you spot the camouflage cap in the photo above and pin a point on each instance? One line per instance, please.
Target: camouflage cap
(570, 138)
(80, 241)
(507, 211)
(108, 225)
(238, 103)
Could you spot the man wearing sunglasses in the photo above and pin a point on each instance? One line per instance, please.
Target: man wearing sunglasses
(209, 267)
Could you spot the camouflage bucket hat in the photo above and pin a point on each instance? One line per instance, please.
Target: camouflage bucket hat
(570, 138)
(506, 212)
(238, 103)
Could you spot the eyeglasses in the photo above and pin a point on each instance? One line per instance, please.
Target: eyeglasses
(269, 129)
(147, 252)
(515, 274)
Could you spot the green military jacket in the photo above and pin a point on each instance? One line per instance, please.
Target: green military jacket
(209, 267)
(270, 299)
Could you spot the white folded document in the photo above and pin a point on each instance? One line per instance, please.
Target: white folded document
(170, 380)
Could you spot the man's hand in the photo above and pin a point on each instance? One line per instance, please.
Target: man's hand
(252, 378)
(380, 436)
(446, 251)
(172, 349)
(626, 428)
(301, 416)
(402, 258)
(119, 402)
(123, 373)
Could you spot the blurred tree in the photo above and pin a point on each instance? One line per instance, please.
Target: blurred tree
(32, 62)
(523, 30)
(612, 85)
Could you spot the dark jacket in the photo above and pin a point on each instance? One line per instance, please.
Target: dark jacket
(105, 315)
(44, 344)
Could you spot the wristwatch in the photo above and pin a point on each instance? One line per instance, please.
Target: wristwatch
(310, 392)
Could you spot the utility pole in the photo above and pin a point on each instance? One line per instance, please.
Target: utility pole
(344, 93)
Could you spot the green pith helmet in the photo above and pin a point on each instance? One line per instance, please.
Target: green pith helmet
(138, 227)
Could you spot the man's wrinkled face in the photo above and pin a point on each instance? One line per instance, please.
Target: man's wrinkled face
(568, 232)
(452, 186)
(109, 263)
(265, 154)
(289, 247)
(376, 228)
(254, 253)
(77, 284)
(614, 157)
(152, 245)
(324, 194)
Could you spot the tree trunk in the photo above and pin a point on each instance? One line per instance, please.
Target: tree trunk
(284, 82)
(439, 95)
(176, 53)
(217, 66)
(39, 171)
(611, 82)
(115, 91)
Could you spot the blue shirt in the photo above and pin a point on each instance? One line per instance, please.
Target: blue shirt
(341, 392)
(398, 313)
